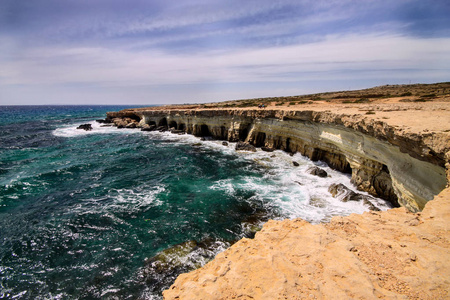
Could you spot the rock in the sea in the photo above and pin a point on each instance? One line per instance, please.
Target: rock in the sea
(242, 146)
(317, 172)
(225, 143)
(176, 131)
(131, 125)
(147, 127)
(267, 149)
(296, 164)
(87, 127)
(345, 194)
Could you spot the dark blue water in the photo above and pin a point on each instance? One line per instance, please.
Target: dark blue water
(118, 214)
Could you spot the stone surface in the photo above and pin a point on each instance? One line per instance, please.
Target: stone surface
(377, 255)
(87, 127)
(345, 194)
(241, 146)
(317, 172)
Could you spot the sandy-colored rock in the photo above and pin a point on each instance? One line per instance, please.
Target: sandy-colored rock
(377, 255)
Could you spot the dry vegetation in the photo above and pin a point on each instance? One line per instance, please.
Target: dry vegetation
(386, 93)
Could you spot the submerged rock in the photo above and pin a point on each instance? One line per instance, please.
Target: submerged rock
(296, 164)
(345, 194)
(161, 269)
(242, 146)
(317, 172)
(87, 127)
(147, 127)
(225, 143)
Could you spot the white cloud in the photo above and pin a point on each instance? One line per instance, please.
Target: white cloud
(332, 57)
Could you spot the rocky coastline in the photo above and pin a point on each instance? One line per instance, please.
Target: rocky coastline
(399, 254)
(404, 168)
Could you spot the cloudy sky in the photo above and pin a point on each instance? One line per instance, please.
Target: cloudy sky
(158, 52)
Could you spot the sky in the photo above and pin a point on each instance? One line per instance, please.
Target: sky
(194, 51)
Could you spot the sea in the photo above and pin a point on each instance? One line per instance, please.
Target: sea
(120, 213)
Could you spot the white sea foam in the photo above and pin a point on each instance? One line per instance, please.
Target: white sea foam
(97, 128)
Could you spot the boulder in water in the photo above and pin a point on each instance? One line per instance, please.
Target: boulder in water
(345, 194)
(87, 127)
(147, 127)
(267, 149)
(242, 146)
(317, 172)
(296, 164)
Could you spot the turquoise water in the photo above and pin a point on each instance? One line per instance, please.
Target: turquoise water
(83, 214)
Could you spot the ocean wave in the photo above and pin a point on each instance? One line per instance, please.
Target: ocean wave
(97, 128)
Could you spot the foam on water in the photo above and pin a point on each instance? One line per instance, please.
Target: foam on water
(97, 128)
(290, 188)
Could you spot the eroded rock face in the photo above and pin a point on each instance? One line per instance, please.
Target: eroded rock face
(406, 169)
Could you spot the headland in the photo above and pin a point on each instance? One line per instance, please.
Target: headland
(395, 143)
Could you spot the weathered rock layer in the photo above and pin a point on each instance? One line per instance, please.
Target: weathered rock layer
(404, 168)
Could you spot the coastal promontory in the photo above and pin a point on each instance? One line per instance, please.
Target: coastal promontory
(393, 140)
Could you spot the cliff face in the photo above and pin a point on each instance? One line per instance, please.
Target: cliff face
(387, 162)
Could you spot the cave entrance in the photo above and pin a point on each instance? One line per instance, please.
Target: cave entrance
(182, 127)
(173, 124)
(260, 139)
(151, 123)
(243, 132)
(288, 145)
(204, 130)
(163, 122)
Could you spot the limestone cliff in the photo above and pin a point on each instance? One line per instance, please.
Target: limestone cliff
(386, 161)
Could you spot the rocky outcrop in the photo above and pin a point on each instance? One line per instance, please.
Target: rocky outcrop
(407, 169)
(87, 127)
(316, 171)
(393, 254)
(345, 194)
(241, 146)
